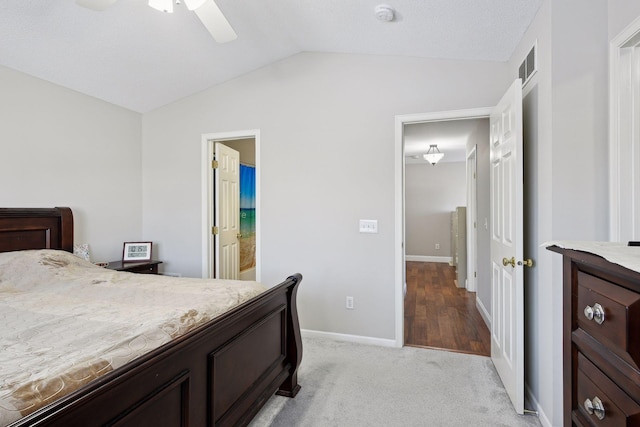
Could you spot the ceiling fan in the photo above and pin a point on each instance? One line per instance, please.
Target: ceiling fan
(207, 10)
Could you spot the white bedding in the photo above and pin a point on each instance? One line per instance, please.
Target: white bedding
(65, 321)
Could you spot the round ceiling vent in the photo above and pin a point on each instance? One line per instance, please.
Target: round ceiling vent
(384, 13)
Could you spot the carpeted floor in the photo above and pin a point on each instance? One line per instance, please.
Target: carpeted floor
(347, 384)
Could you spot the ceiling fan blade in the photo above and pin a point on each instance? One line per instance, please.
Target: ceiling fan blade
(98, 5)
(213, 19)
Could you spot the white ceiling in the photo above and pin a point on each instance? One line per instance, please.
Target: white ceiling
(136, 57)
(450, 136)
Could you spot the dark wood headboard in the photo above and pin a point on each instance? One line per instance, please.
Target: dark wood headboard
(36, 228)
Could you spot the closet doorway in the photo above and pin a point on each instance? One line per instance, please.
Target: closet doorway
(441, 308)
(247, 236)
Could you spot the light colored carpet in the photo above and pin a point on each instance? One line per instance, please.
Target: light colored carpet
(347, 384)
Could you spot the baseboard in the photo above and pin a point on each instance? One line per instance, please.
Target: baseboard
(483, 312)
(423, 258)
(542, 417)
(350, 338)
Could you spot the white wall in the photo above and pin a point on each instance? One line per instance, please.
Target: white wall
(326, 125)
(480, 139)
(542, 364)
(327, 160)
(565, 109)
(621, 13)
(61, 148)
(432, 193)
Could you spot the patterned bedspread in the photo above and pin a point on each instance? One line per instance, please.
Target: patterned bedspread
(65, 321)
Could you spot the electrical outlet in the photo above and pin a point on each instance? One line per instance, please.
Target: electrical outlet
(437, 245)
(350, 303)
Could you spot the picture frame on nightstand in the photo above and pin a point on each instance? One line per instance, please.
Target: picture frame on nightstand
(136, 251)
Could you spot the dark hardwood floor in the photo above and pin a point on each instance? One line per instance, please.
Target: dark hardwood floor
(439, 314)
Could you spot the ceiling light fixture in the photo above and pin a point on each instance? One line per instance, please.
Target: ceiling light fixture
(167, 5)
(433, 155)
(384, 13)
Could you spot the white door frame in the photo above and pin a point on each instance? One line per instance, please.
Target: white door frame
(472, 220)
(624, 135)
(399, 252)
(208, 141)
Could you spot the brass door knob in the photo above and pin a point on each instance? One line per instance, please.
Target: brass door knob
(506, 261)
(527, 262)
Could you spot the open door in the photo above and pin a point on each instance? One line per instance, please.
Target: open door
(507, 306)
(227, 212)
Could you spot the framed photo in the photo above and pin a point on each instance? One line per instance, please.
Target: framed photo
(136, 252)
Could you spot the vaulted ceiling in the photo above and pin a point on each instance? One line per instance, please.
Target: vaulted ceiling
(136, 57)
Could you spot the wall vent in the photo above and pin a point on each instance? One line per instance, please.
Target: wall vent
(528, 66)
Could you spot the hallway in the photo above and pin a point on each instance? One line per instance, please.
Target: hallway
(438, 314)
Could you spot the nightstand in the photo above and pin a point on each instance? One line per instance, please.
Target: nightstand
(147, 267)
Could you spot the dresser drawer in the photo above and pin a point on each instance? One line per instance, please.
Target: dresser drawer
(611, 314)
(595, 389)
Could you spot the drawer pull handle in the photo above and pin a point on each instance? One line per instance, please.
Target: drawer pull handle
(595, 313)
(595, 406)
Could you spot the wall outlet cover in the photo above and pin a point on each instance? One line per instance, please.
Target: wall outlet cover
(368, 225)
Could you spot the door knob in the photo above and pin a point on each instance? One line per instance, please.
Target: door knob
(506, 261)
(527, 262)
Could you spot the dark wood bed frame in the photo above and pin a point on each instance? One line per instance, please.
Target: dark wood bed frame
(217, 375)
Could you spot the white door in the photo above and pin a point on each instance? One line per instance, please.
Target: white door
(507, 305)
(227, 212)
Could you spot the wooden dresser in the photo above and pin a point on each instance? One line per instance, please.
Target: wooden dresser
(601, 339)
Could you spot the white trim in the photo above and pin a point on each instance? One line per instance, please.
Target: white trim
(381, 342)
(205, 187)
(486, 316)
(399, 268)
(624, 169)
(542, 416)
(614, 143)
(207, 204)
(472, 219)
(398, 228)
(427, 258)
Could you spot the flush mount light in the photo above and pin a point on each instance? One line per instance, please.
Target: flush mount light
(433, 155)
(384, 13)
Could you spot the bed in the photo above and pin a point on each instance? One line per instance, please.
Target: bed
(218, 373)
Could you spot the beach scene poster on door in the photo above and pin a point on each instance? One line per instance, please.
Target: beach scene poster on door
(247, 217)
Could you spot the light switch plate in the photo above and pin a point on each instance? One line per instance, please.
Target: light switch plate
(368, 225)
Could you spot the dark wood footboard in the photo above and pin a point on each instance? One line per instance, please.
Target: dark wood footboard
(220, 374)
